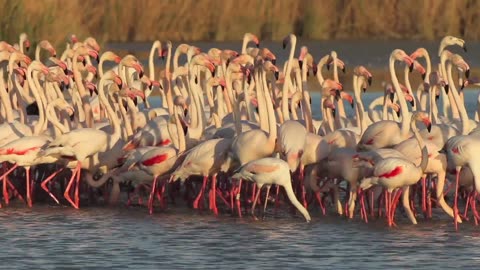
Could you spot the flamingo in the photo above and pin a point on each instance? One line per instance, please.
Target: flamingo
(394, 173)
(270, 171)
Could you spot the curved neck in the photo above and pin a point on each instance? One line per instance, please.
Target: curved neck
(37, 129)
(401, 99)
(406, 72)
(272, 123)
(181, 136)
(457, 101)
(52, 118)
(262, 109)
(151, 64)
(111, 114)
(293, 44)
(421, 143)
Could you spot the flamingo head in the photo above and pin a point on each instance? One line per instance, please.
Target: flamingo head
(418, 67)
(423, 117)
(346, 96)
(91, 87)
(420, 52)
(26, 44)
(45, 44)
(303, 53)
(400, 55)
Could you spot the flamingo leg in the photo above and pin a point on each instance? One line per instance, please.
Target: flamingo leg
(277, 203)
(66, 194)
(77, 186)
(387, 206)
(424, 196)
(29, 192)
(237, 198)
(4, 177)
(406, 204)
(302, 187)
(213, 196)
(200, 194)
(455, 202)
(6, 196)
(257, 194)
(396, 198)
(266, 202)
(152, 195)
(363, 209)
(372, 203)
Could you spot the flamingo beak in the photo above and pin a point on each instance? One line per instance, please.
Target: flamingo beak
(410, 68)
(392, 96)
(344, 69)
(26, 44)
(428, 124)
(465, 47)
(284, 44)
(274, 61)
(398, 113)
(446, 87)
(467, 73)
(276, 75)
(423, 76)
(369, 81)
(364, 89)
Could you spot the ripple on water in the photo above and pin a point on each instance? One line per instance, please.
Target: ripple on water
(118, 238)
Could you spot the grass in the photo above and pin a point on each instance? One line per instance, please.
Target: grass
(214, 20)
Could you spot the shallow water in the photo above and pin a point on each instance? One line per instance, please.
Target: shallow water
(61, 237)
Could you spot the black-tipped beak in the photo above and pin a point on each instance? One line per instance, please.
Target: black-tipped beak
(412, 102)
(328, 67)
(333, 112)
(462, 86)
(423, 76)
(213, 73)
(446, 87)
(97, 59)
(140, 75)
(274, 61)
(352, 104)
(135, 101)
(467, 73)
(410, 68)
(392, 96)
(228, 62)
(72, 117)
(276, 75)
(337, 94)
(364, 89)
(258, 45)
(84, 62)
(150, 86)
(436, 97)
(429, 127)
(62, 86)
(195, 80)
(344, 70)
(300, 63)
(310, 100)
(465, 47)
(370, 81)
(284, 45)
(54, 55)
(398, 113)
(315, 70)
(185, 112)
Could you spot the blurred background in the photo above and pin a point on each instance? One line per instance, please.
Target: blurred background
(227, 20)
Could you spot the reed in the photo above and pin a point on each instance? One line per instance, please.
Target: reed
(180, 20)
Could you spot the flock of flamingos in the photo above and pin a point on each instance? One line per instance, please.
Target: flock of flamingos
(231, 123)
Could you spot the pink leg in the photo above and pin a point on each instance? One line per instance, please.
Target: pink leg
(302, 187)
(257, 194)
(372, 203)
(152, 195)
(66, 194)
(77, 186)
(29, 192)
(6, 196)
(254, 188)
(214, 194)
(424, 196)
(200, 194)
(455, 202)
(237, 195)
(320, 202)
(396, 198)
(6, 181)
(277, 203)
